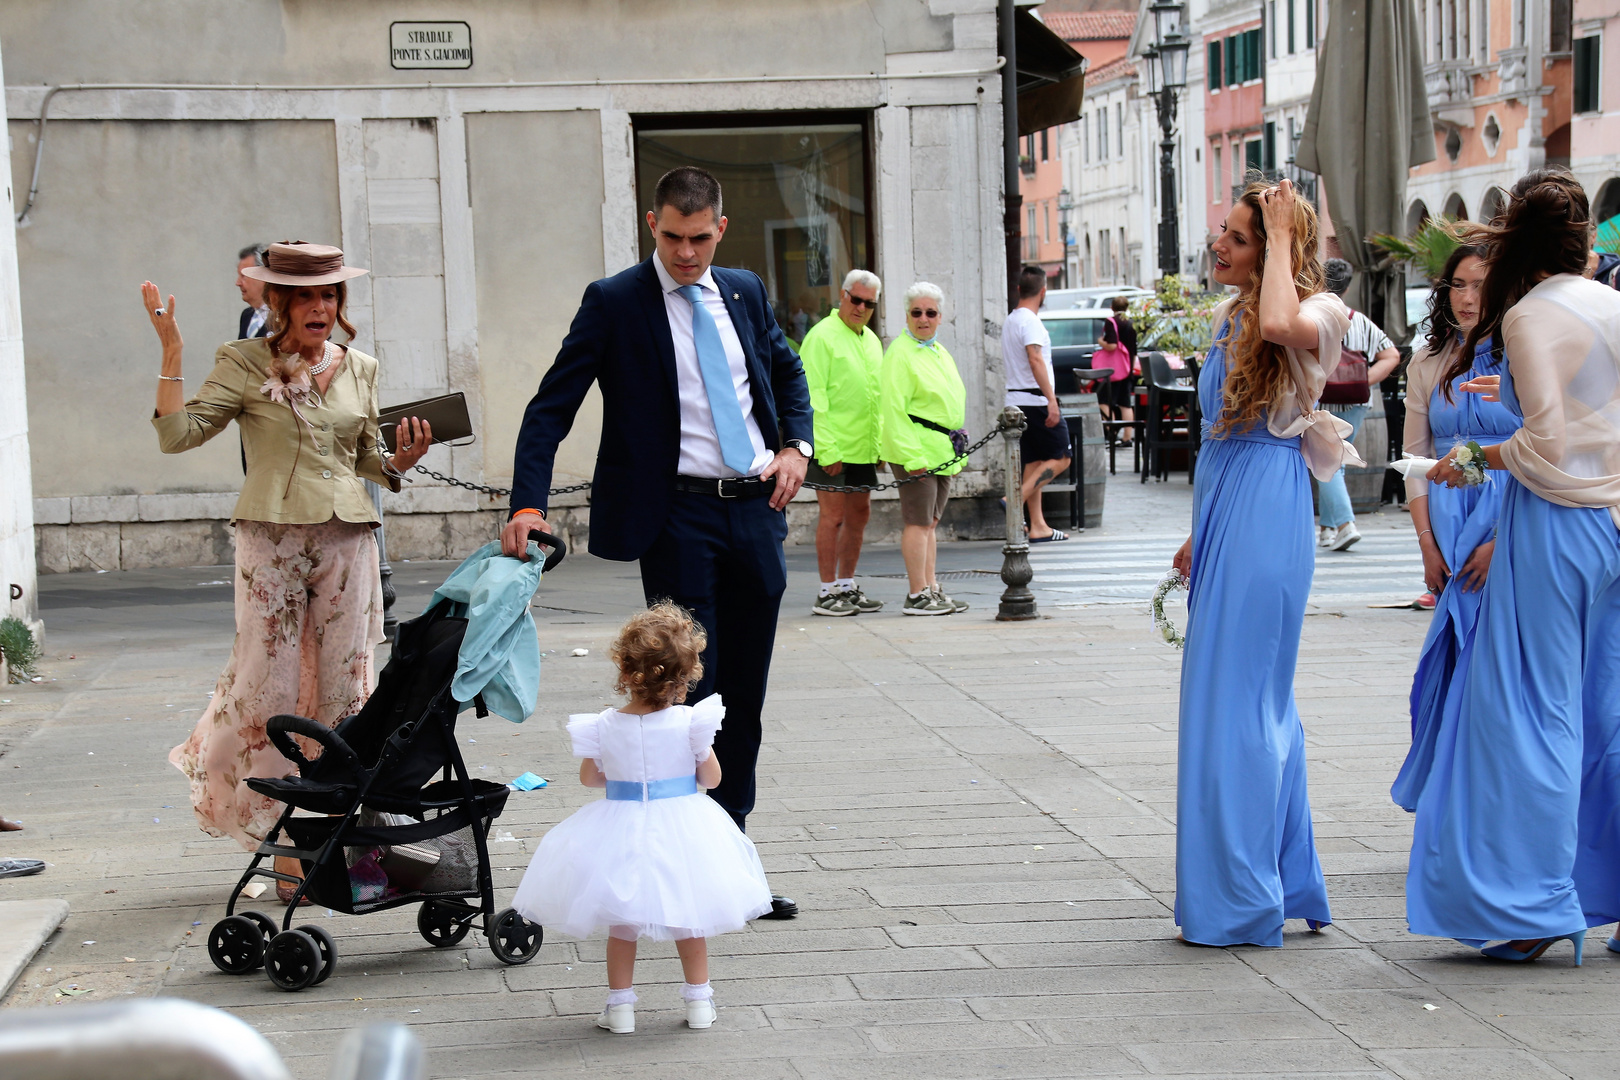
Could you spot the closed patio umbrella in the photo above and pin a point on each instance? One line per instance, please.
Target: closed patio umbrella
(1368, 124)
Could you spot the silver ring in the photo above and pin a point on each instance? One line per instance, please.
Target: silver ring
(159, 312)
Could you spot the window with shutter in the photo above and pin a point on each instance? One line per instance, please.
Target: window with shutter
(1587, 71)
(1215, 64)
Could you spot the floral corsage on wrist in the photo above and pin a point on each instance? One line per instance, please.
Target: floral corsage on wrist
(1469, 460)
(1161, 622)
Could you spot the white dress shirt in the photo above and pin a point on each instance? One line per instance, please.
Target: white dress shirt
(700, 446)
(256, 321)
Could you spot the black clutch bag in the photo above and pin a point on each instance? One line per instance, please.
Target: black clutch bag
(446, 414)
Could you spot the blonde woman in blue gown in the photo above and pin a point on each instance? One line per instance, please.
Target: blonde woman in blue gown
(1456, 527)
(1517, 834)
(1245, 851)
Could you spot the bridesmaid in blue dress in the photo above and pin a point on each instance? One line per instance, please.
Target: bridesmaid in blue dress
(1517, 835)
(1456, 527)
(1245, 851)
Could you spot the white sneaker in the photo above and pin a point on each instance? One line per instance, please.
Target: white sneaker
(700, 1014)
(619, 1019)
(1324, 536)
(1344, 537)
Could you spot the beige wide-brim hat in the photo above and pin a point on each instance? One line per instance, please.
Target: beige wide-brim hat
(293, 262)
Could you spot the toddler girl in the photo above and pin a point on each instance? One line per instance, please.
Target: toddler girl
(657, 858)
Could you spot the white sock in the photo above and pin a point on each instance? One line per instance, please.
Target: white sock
(845, 584)
(698, 992)
(826, 588)
(914, 595)
(627, 996)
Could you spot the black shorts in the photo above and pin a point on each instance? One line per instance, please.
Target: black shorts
(1116, 394)
(853, 474)
(1042, 443)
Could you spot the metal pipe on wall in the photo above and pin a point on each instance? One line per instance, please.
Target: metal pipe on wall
(1008, 11)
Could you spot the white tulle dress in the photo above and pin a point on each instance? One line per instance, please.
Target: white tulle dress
(644, 862)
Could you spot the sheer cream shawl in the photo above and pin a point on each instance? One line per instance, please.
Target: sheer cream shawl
(1323, 436)
(1422, 376)
(1563, 347)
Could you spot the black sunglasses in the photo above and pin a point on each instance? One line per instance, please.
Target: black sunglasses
(860, 301)
(917, 313)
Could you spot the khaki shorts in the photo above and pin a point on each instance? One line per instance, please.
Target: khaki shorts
(922, 502)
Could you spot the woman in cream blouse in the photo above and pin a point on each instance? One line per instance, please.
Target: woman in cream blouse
(308, 599)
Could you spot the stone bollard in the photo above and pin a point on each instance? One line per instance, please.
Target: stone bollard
(1017, 602)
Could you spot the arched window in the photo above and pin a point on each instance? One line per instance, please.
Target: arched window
(1455, 207)
(1416, 215)
(1491, 204)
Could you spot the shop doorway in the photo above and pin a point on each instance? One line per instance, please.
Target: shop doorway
(797, 192)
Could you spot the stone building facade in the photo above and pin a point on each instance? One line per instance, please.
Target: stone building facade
(483, 193)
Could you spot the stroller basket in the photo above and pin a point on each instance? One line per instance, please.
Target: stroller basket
(386, 832)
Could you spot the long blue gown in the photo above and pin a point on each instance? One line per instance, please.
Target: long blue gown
(1462, 519)
(1245, 852)
(1517, 833)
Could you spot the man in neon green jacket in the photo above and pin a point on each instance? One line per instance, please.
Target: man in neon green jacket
(842, 359)
(922, 402)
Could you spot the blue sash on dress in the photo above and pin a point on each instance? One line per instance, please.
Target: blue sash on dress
(637, 791)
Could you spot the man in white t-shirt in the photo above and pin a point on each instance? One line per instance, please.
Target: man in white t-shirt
(1026, 356)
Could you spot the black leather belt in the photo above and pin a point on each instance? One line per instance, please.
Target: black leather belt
(728, 487)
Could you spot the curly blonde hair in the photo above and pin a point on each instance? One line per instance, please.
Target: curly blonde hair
(659, 653)
(1256, 369)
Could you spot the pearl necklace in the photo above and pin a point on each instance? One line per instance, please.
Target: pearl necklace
(328, 356)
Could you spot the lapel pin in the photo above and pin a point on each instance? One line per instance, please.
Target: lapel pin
(736, 296)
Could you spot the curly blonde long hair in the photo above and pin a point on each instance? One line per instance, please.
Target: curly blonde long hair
(659, 653)
(1257, 370)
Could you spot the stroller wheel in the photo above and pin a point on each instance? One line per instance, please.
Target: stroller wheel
(514, 939)
(293, 960)
(442, 924)
(328, 947)
(236, 945)
(267, 927)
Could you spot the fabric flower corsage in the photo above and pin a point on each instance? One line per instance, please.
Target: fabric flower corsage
(1166, 629)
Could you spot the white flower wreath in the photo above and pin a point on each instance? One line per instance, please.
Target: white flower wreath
(1161, 622)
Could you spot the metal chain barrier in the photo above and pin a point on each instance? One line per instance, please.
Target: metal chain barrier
(500, 493)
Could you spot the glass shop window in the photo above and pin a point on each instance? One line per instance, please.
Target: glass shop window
(796, 198)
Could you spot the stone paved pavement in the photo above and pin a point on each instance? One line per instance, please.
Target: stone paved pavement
(976, 818)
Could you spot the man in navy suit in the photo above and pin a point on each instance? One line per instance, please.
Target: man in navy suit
(706, 430)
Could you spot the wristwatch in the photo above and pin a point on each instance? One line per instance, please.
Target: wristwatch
(802, 447)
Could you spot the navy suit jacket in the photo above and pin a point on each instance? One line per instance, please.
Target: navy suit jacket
(620, 339)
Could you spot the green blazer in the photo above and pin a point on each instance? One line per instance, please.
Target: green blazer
(297, 474)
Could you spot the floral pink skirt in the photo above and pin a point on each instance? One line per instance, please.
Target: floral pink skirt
(308, 614)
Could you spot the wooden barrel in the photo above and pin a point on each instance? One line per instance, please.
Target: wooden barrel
(1366, 483)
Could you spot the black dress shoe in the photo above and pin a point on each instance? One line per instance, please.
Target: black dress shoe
(781, 908)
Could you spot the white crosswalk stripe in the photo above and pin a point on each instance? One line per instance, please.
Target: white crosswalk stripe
(1383, 567)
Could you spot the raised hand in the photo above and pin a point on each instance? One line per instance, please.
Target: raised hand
(163, 321)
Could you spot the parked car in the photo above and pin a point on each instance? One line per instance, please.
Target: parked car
(1076, 333)
(1417, 312)
(1092, 296)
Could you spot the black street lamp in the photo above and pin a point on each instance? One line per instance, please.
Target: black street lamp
(1065, 208)
(1167, 74)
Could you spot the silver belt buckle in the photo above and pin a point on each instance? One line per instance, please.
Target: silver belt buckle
(720, 488)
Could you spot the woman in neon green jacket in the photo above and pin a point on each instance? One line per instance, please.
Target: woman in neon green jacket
(922, 401)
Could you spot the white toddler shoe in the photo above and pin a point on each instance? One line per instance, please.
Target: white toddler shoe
(700, 1014)
(619, 1019)
(699, 1000)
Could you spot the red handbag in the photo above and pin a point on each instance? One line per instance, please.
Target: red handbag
(1347, 383)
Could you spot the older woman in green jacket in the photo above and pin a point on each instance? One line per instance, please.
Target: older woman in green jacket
(922, 401)
(308, 599)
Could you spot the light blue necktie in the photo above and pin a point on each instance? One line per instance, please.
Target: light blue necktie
(735, 447)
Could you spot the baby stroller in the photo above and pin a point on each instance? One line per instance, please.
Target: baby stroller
(387, 827)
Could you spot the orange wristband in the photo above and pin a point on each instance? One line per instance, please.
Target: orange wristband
(529, 510)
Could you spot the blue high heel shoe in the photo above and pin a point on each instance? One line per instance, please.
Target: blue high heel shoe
(1506, 952)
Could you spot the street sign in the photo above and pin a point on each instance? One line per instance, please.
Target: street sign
(430, 45)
